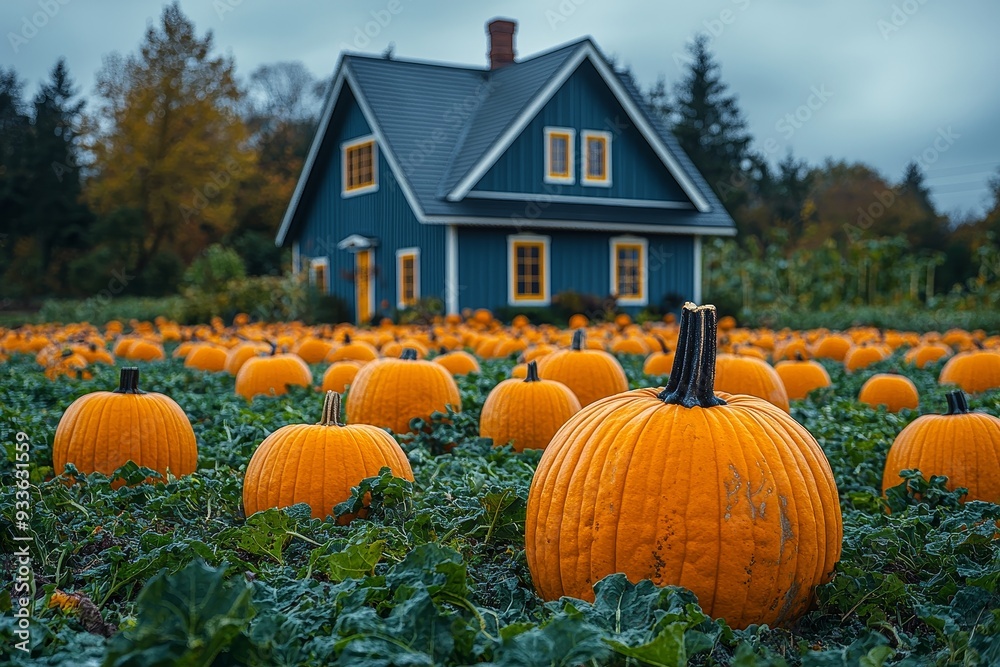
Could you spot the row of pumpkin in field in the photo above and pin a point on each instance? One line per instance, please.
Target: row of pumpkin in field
(724, 494)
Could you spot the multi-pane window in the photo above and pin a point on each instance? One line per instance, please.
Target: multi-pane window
(558, 155)
(409, 277)
(317, 271)
(628, 270)
(529, 256)
(596, 158)
(359, 166)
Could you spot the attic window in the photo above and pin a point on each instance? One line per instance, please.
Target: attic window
(596, 158)
(360, 166)
(559, 163)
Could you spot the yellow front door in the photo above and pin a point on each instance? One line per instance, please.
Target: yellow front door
(363, 285)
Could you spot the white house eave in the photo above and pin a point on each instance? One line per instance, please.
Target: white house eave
(344, 75)
(587, 51)
(589, 225)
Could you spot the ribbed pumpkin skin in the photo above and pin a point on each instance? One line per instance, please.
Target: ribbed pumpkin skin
(742, 374)
(893, 391)
(102, 431)
(318, 464)
(590, 374)
(963, 447)
(735, 502)
(975, 372)
(390, 392)
(526, 413)
(272, 375)
(801, 377)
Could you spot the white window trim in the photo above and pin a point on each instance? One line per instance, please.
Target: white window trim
(570, 178)
(595, 182)
(643, 244)
(343, 166)
(512, 274)
(405, 252)
(315, 263)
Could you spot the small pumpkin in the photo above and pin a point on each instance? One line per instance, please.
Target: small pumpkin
(391, 392)
(527, 413)
(801, 376)
(725, 495)
(590, 374)
(339, 375)
(458, 362)
(313, 350)
(240, 354)
(355, 350)
(207, 357)
(104, 430)
(926, 353)
(892, 390)
(318, 464)
(659, 362)
(974, 371)
(272, 374)
(961, 445)
(744, 374)
(863, 356)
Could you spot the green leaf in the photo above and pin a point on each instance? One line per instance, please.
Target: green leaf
(666, 649)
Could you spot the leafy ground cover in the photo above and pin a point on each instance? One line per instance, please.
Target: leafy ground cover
(175, 574)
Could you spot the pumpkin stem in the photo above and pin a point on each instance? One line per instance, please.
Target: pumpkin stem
(128, 381)
(274, 347)
(331, 409)
(442, 350)
(692, 377)
(663, 345)
(579, 338)
(532, 374)
(957, 403)
(347, 338)
(408, 354)
(798, 356)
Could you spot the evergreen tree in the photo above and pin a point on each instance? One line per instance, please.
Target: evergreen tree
(14, 136)
(709, 125)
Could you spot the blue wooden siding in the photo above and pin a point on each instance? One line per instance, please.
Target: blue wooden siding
(580, 261)
(384, 214)
(584, 102)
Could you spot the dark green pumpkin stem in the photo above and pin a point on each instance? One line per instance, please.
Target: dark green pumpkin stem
(532, 374)
(409, 354)
(331, 410)
(128, 381)
(579, 338)
(663, 345)
(347, 338)
(692, 377)
(957, 403)
(798, 356)
(274, 347)
(442, 350)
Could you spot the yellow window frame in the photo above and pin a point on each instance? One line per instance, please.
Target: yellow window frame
(412, 255)
(604, 138)
(639, 246)
(352, 151)
(567, 135)
(541, 296)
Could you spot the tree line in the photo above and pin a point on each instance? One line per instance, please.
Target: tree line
(175, 153)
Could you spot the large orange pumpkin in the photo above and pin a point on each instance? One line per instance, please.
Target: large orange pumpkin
(390, 392)
(590, 374)
(318, 464)
(975, 372)
(963, 446)
(725, 495)
(527, 413)
(104, 430)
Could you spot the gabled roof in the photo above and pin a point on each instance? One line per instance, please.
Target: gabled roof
(441, 127)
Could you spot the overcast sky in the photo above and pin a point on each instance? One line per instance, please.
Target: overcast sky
(888, 80)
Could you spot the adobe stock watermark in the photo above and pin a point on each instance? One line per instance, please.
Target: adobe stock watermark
(365, 33)
(884, 200)
(456, 115)
(562, 12)
(899, 17)
(714, 28)
(218, 181)
(223, 7)
(38, 20)
(21, 595)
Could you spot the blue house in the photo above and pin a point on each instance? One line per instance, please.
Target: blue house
(497, 186)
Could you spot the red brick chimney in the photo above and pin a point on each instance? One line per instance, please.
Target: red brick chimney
(501, 33)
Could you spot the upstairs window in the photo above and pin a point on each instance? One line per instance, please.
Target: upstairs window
(408, 277)
(596, 158)
(360, 160)
(559, 162)
(528, 280)
(628, 270)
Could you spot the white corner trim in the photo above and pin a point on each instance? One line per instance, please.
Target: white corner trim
(296, 258)
(344, 147)
(569, 178)
(696, 292)
(643, 244)
(400, 254)
(451, 269)
(546, 273)
(316, 263)
(586, 136)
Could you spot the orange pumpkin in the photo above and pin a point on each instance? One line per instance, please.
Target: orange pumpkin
(318, 464)
(207, 357)
(391, 392)
(892, 390)
(926, 353)
(104, 430)
(355, 350)
(339, 375)
(271, 375)
(458, 362)
(725, 495)
(590, 374)
(659, 363)
(742, 374)
(863, 356)
(961, 445)
(974, 372)
(526, 413)
(801, 377)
